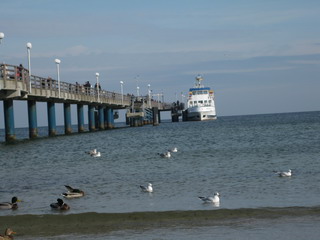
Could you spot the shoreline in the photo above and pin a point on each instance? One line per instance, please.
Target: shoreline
(98, 223)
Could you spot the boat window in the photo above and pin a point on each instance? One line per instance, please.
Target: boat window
(194, 92)
(201, 102)
(209, 101)
(195, 102)
(205, 101)
(199, 92)
(190, 102)
(205, 92)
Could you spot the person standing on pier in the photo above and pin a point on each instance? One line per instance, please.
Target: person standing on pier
(97, 85)
(19, 72)
(77, 87)
(49, 81)
(87, 86)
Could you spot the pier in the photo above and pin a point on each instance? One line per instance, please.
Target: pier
(17, 84)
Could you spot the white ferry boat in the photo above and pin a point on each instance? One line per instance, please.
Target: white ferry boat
(201, 104)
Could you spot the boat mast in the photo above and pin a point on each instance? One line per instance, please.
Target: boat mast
(198, 81)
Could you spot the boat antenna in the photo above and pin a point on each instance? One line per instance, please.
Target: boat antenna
(199, 78)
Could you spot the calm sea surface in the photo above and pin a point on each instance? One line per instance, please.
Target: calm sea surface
(235, 156)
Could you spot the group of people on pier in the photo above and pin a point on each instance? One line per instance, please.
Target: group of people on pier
(13, 73)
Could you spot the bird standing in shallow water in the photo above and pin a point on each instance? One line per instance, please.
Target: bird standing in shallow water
(7, 234)
(59, 205)
(149, 188)
(13, 205)
(73, 192)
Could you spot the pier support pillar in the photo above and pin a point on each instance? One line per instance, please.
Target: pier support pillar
(185, 115)
(9, 120)
(91, 118)
(80, 118)
(32, 117)
(67, 118)
(155, 114)
(101, 117)
(174, 115)
(136, 122)
(131, 122)
(149, 118)
(51, 110)
(105, 118)
(141, 122)
(109, 118)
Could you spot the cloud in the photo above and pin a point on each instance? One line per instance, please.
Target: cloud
(307, 62)
(73, 51)
(92, 69)
(267, 17)
(248, 70)
(76, 50)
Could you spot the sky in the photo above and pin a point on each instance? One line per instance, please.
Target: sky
(259, 56)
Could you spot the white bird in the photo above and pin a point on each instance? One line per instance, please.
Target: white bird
(285, 174)
(173, 150)
(149, 188)
(98, 154)
(215, 199)
(165, 155)
(94, 153)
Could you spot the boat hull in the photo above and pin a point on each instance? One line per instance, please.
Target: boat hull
(201, 114)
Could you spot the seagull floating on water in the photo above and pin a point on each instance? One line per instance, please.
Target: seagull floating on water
(165, 155)
(59, 205)
(7, 234)
(285, 174)
(147, 189)
(215, 199)
(173, 150)
(94, 153)
(72, 192)
(13, 205)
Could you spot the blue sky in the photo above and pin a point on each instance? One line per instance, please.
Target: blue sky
(258, 56)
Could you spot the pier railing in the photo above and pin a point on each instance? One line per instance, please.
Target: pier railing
(16, 83)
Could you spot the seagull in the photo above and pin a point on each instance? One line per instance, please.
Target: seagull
(215, 199)
(165, 155)
(7, 234)
(285, 174)
(173, 150)
(94, 153)
(59, 205)
(72, 192)
(13, 205)
(147, 189)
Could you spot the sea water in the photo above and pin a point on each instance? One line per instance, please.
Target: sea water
(235, 156)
